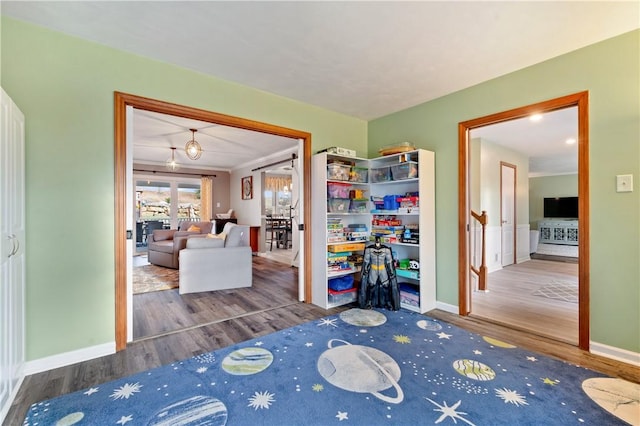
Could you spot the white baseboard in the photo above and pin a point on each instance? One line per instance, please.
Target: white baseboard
(4, 410)
(68, 358)
(595, 348)
(452, 309)
(612, 352)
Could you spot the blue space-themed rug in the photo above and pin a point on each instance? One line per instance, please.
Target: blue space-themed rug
(362, 367)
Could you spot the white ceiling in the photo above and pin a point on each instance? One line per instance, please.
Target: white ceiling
(544, 141)
(223, 147)
(364, 59)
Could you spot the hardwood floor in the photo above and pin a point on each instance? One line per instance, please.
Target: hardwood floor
(275, 284)
(245, 324)
(511, 300)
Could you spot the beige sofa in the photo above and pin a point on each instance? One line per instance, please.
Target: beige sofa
(225, 262)
(164, 245)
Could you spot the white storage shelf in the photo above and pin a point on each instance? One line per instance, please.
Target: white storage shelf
(557, 231)
(422, 216)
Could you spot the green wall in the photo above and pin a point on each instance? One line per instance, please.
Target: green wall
(65, 86)
(548, 186)
(609, 71)
(491, 155)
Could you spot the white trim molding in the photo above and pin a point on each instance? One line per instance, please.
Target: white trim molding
(612, 352)
(68, 358)
(452, 309)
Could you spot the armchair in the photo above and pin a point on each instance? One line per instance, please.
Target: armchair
(164, 245)
(220, 263)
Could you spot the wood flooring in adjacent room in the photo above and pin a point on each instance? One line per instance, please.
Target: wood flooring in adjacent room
(512, 299)
(275, 285)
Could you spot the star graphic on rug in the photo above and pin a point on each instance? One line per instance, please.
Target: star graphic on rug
(477, 352)
(532, 358)
(91, 391)
(400, 338)
(449, 411)
(511, 396)
(259, 343)
(443, 335)
(327, 321)
(308, 344)
(342, 416)
(261, 400)
(126, 391)
(548, 381)
(124, 419)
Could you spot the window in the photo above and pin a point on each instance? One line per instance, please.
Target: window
(164, 204)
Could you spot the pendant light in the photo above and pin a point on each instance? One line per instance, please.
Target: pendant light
(193, 148)
(171, 162)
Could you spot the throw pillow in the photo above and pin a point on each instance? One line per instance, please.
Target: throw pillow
(193, 228)
(221, 235)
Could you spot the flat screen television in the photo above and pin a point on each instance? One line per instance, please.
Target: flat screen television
(561, 207)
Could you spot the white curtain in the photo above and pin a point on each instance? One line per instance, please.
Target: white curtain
(206, 197)
(277, 183)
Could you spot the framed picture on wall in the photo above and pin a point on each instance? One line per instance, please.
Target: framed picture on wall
(247, 187)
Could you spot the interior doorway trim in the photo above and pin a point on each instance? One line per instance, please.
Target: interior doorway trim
(121, 101)
(581, 100)
(514, 183)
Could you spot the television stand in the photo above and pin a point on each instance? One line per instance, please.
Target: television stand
(558, 231)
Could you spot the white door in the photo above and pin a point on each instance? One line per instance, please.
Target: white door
(507, 212)
(12, 252)
(297, 216)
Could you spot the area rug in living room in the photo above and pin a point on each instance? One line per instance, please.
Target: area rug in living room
(560, 290)
(361, 367)
(148, 278)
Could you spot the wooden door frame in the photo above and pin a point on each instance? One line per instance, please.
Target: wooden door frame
(581, 100)
(513, 218)
(121, 101)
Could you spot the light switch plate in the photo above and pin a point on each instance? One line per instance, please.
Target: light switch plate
(624, 183)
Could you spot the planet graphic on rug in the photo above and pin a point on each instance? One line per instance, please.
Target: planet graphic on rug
(619, 397)
(474, 370)
(70, 419)
(363, 317)
(429, 325)
(197, 410)
(498, 343)
(361, 369)
(246, 361)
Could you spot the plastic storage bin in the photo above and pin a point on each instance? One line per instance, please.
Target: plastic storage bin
(381, 174)
(342, 297)
(359, 175)
(337, 171)
(338, 190)
(391, 202)
(409, 294)
(338, 205)
(402, 171)
(358, 206)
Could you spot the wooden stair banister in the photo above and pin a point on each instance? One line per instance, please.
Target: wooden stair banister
(482, 271)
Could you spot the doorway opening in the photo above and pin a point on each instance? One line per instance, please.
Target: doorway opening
(123, 246)
(468, 194)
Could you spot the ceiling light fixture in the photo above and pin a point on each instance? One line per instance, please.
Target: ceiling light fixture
(570, 141)
(171, 162)
(535, 117)
(193, 148)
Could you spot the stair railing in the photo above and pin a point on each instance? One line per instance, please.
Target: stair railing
(482, 271)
